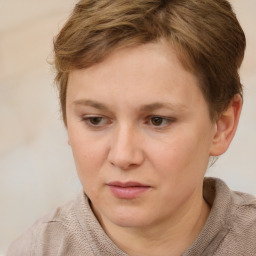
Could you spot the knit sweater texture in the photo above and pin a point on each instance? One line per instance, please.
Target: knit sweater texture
(73, 229)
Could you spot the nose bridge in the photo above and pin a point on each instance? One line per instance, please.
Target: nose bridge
(125, 148)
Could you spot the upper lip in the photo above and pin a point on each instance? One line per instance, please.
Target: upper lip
(126, 184)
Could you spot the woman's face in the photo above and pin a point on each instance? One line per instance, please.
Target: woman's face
(141, 135)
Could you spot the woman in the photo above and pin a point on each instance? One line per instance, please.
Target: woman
(150, 93)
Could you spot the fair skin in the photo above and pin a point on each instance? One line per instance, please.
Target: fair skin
(141, 136)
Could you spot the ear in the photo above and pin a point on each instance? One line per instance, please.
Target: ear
(225, 126)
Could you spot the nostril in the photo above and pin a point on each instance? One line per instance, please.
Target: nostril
(125, 151)
(126, 161)
(123, 164)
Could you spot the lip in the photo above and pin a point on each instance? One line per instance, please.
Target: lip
(127, 190)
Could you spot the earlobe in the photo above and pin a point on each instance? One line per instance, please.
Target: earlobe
(226, 126)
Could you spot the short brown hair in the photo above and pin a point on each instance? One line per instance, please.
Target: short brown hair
(205, 33)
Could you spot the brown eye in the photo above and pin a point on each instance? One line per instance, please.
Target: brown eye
(96, 120)
(157, 121)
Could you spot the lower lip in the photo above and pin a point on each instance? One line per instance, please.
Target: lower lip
(128, 192)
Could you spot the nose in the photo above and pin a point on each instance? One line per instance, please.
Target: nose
(126, 151)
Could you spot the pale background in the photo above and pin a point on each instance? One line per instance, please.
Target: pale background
(36, 167)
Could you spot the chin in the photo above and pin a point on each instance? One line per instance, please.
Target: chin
(129, 218)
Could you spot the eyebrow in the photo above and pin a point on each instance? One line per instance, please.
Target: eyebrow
(91, 103)
(144, 108)
(159, 105)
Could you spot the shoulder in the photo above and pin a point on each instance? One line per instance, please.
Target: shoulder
(232, 204)
(243, 214)
(237, 208)
(49, 234)
(240, 220)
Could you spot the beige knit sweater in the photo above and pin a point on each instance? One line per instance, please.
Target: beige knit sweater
(73, 230)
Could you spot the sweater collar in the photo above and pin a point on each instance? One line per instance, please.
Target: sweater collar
(99, 241)
(218, 196)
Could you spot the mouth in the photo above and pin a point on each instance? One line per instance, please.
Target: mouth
(127, 190)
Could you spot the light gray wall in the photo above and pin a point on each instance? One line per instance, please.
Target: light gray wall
(36, 167)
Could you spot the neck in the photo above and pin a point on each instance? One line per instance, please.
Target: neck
(171, 237)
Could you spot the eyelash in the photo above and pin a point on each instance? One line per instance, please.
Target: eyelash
(88, 121)
(167, 121)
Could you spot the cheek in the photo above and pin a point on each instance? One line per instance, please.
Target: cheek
(88, 159)
(179, 158)
(176, 172)
(170, 152)
(89, 155)
(88, 163)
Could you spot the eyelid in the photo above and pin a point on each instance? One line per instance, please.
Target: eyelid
(105, 121)
(169, 121)
(86, 119)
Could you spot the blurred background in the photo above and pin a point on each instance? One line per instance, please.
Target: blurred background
(37, 172)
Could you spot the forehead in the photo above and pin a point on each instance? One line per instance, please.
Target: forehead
(144, 74)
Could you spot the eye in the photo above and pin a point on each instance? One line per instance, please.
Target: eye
(159, 121)
(94, 120)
